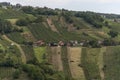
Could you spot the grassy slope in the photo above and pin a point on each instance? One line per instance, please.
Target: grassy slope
(40, 53)
(16, 36)
(11, 14)
(115, 26)
(111, 62)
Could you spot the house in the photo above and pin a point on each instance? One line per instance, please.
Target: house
(39, 43)
(61, 43)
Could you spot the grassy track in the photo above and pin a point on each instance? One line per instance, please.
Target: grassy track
(89, 63)
(101, 62)
(65, 62)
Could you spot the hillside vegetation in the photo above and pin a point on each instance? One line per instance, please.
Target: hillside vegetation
(57, 44)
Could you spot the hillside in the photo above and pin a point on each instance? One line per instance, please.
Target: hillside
(57, 44)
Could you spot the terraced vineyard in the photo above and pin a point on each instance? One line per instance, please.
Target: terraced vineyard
(41, 32)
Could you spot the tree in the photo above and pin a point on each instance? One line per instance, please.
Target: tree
(67, 16)
(34, 72)
(106, 23)
(93, 18)
(94, 44)
(0, 5)
(109, 42)
(28, 9)
(22, 22)
(113, 33)
(39, 19)
(5, 26)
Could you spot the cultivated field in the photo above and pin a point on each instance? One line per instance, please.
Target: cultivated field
(55, 56)
(74, 56)
(39, 31)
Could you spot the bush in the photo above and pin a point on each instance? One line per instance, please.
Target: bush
(113, 33)
(22, 22)
(34, 72)
(92, 18)
(16, 74)
(39, 19)
(5, 26)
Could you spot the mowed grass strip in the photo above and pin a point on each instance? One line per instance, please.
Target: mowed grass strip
(40, 53)
(54, 57)
(74, 56)
(65, 62)
(90, 63)
(101, 62)
(112, 63)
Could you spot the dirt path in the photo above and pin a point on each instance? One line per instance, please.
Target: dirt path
(23, 57)
(52, 26)
(101, 62)
(74, 56)
(56, 58)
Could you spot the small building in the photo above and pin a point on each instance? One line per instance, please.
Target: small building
(39, 43)
(61, 43)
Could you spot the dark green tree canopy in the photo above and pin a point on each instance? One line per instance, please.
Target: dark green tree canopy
(5, 26)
